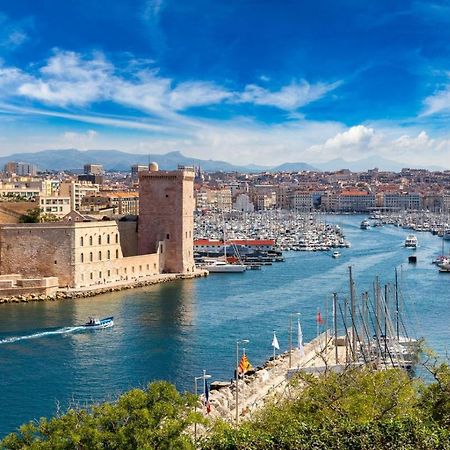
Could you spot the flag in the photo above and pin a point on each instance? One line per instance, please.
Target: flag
(207, 403)
(319, 319)
(275, 343)
(300, 338)
(244, 365)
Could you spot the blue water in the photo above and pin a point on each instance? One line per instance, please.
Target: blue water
(173, 331)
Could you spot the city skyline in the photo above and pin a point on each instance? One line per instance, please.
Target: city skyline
(245, 82)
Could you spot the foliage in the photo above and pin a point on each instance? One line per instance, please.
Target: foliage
(358, 409)
(31, 216)
(155, 418)
(35, 216)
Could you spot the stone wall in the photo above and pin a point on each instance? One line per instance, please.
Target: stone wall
(128, 231)
(166, 215)
(38, 250)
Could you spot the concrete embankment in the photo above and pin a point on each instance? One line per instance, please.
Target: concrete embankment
(271, 380)
(92, 291)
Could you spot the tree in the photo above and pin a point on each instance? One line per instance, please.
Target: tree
(155, 418)
(31, 216)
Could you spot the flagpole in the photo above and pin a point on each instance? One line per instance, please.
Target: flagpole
(242, 341)
(274, 346)
(204, 377)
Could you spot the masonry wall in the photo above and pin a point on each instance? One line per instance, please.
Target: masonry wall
(128, 231)
(38, 250)
(166, 216)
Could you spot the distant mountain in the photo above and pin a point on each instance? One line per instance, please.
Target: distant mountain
(71, 159)
(294, 167)
(368, 163)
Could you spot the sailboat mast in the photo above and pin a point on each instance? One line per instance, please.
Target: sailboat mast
(353, 312)
(396, 305)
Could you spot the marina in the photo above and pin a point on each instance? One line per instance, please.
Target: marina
(176, 330)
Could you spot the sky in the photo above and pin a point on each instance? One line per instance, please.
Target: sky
(245, 81)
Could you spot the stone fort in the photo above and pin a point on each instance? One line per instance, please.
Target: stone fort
(84, 253)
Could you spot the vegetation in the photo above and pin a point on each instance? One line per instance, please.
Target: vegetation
(35, 216)
(358, 409)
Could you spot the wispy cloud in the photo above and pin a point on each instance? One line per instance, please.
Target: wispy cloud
(71, 79)
(289, 98)
(13, 34)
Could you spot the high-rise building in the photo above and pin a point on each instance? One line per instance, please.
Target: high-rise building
(20, 168)
(166, 217)
(93, 169)
(135, 169)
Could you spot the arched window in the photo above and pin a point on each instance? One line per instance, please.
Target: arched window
(99, 256)
(91, 257)
(99, 240)
(108, 239)
(81, 241)
(90, 240)
(117, 238)
(109, 254)
(82, 257)
(117, 253)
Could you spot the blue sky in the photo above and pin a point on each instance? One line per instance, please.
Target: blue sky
(247, 81)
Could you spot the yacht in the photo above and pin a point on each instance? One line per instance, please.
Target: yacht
(336, 254)
(224, 267)
(411, 241)
(365, 225)
(446, 235)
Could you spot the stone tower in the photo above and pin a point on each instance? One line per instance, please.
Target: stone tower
(166, 217)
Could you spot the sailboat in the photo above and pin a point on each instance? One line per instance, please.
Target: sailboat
(222, 265)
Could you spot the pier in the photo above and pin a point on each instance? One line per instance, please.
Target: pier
(271, 381)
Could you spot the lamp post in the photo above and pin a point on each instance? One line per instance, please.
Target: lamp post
(204, 377)
(238, 341)
(290, 337)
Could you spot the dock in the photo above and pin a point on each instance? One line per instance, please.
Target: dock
(271, 380)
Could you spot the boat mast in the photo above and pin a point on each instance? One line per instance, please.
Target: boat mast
(353, 312)
(396, 306)
(336, 356)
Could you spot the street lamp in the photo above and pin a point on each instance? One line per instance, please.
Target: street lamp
(204, 377)
(238, 341)
(290, 337)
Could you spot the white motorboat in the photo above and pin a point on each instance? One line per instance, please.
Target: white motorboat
(411, 241)
(446, 235)
(336, 254)
(365, 225)
(224, 267)
(95, 323)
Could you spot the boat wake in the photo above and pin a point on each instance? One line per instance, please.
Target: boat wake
(64, 330)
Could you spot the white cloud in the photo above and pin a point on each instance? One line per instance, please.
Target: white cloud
(359, 135)
(12, 34)
(80, 141)
(289, 97)
(70, 79)
(438, 102)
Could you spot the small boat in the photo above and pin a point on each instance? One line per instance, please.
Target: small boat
(336, 254)
(95, 323)
(365, 225)
(411, 241)
(446, 235)
(224, 267)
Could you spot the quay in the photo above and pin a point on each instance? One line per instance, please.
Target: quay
(71, 293)
(271, 381)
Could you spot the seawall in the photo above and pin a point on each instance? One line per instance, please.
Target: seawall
(67, 294)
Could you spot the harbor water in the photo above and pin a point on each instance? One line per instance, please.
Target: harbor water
(175, 330)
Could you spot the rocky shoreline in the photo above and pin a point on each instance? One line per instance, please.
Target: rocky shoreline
(67, 294)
